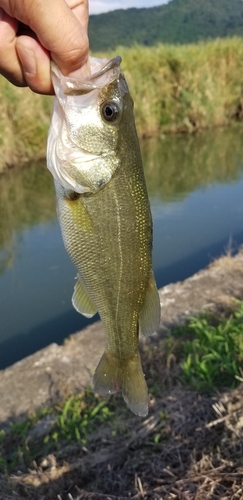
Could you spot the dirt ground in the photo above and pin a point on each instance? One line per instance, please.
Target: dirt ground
(199, 456)
(190, 446)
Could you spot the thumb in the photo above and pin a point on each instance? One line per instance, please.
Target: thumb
(61, 28)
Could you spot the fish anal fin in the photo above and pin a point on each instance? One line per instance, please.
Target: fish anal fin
(81, 300)
(112, 375)
(149, 316)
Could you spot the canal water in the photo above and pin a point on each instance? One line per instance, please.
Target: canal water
(195, 186)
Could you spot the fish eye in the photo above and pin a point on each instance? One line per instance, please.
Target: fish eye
(110, 111)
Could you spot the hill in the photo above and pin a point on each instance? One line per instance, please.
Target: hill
(180, 22)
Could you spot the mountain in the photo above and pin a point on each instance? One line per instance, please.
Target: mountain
(180, 21)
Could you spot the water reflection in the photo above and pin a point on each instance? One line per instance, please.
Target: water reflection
(27, 199)
(195, 186)
(177, 165)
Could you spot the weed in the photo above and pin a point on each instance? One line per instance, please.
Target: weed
(73, 420)
(213, 351)
(210, 351)
(78, 417)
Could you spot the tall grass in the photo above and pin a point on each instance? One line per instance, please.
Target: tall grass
(185, 88)
(24, 122)
(175, 88)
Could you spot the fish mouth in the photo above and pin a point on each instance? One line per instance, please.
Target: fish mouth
(103, 72)
(71, 164)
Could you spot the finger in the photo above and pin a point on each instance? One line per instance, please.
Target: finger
(35, 62)
(80, 8)
(58, 29)
(81, 11)
(9, 63)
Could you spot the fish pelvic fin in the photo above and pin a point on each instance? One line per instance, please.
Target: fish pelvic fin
(149, 316)
(113, 375)
(81, 300)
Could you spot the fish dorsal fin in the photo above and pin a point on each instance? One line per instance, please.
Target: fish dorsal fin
(149, 316)
(81, 300)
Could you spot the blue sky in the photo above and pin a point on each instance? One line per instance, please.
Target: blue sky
(98, 6)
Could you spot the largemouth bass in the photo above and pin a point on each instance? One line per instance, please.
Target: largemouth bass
(103, 209)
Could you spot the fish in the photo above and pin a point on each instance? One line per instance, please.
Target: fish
(103, 208)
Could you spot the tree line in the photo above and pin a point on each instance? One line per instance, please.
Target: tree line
(178, 22)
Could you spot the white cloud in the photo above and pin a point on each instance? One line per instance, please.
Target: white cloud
(98, 6)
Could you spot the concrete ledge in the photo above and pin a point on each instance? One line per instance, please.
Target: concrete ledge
(56, 371)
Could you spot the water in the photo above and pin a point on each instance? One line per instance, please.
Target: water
(195, 186)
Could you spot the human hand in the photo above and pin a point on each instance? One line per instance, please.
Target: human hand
(34, 31)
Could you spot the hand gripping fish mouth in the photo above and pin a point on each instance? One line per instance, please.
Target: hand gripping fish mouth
(103, 72)
(103, 209)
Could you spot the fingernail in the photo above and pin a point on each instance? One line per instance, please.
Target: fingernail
(27, 59)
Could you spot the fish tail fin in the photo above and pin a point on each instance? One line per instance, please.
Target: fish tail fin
(112, 375)
(134, 387)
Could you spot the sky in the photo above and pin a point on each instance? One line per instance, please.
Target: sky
(98, 6)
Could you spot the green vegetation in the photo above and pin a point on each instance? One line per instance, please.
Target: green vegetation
(214, 351)
(86, 447)
(78, 417)
(187, 88)
(204, 354)
(24, 122)
(73, 420)
(180, 21)
(176, 89)
(209, 354)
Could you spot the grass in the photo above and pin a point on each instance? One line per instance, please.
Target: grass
(73, 420)
(78, 417)
(24, 123)
(176, 89)
(189, 447)
(185, 372)
(185, 88)
(213, 354)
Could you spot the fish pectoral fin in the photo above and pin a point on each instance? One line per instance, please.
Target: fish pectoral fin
(149, 316)
(81, 300)
(112, 375)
